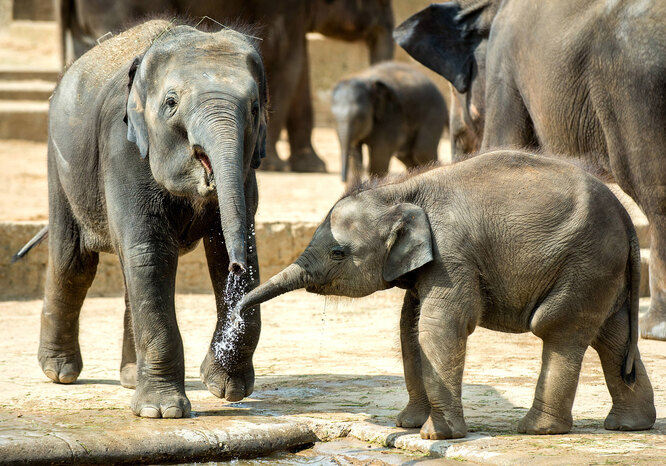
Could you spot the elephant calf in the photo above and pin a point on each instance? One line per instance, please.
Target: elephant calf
(393, 109)
(154, 136)
(544, 248)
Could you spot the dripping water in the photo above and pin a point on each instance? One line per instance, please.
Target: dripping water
(323, 326)
(227, 337)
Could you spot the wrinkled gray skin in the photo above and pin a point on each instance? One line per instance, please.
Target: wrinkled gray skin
(581, 78)
(196, 124)
(546, 248)
(282, 24)
(393, 109)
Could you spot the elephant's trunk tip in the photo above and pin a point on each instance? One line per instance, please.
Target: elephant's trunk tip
(237, 268)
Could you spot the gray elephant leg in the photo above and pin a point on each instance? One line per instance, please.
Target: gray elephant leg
(303, 157)
(69, 274)
(380, 158)
(232, 378)
(128, 374)
(633, 408)
(561, 360)
(418, 408)
(445, 322)
(150, 272)
(653, 323)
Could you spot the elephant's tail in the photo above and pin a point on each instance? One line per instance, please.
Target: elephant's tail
(38, 238)
(634, 265)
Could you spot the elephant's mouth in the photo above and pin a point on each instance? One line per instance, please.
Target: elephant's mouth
(202, 157)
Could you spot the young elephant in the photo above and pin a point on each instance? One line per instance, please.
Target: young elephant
(544, 248)
(146, 176)
(393, 109)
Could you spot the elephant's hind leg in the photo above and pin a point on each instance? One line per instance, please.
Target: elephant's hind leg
(633, 407)
(69, 274)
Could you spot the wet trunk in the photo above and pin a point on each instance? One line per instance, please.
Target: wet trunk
(291, 278)
(222, 141)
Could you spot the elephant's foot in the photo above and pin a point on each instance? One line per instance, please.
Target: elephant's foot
(230, 386)
(631, 417)
(415, 414)
(61, 366)
(306, 161)
(128, 375)
(652, 324)
(273, 163)
(537, 422)
(438, 428)
(160, 402)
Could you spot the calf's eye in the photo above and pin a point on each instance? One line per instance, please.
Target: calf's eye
(171, 102)
(338, 253)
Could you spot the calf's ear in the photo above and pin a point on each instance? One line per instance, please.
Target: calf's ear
(409, 242)
(443, 38)
(137, 130)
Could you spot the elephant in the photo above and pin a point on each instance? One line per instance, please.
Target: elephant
(393, 109)
(546, 248)
(592, 89)
(283, 26)
(154, 138)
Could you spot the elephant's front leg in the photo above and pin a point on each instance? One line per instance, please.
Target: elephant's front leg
(303, 157)
(653, 323)
(445, 322)
(150, 273)
(229, 373)
(417, 410)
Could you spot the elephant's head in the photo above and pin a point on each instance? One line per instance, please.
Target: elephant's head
(357, 104)
(450, 39)
(197, 110)
(364, 245)
(370, 21)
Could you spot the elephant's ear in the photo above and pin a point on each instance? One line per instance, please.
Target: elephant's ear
(381, 95)
(260, 146)
(137, 130)
(409, 243)
(443, 38)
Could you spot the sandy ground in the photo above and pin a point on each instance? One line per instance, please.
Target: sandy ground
(336, 361)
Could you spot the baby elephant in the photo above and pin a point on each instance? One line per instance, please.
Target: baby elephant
(393, 109)
(544, 247)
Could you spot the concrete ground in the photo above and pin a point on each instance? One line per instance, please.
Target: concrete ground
(326, 369)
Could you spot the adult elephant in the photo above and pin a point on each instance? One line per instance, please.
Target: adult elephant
(283, 26)
(582, 78)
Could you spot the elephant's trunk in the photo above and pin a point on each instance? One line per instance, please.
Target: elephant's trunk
(351, 155)
(291, 278)
(219, 135)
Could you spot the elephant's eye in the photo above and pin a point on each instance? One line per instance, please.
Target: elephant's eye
(338, 253)
(171, 102)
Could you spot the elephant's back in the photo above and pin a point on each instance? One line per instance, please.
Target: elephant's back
(418, 96)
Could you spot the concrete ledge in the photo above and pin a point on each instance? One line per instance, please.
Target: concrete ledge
(278, 243)
(19, 73)
(155, 444)
(26, 90)
(26, 120)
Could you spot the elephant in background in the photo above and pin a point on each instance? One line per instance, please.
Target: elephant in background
(146, 175)
(530, 252)
(591, 89)
(281, 24)
(393, 109)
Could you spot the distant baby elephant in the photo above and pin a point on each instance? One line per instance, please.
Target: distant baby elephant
(393, 109)
(544, 248)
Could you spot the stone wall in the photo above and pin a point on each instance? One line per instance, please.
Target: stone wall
(278, 243)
